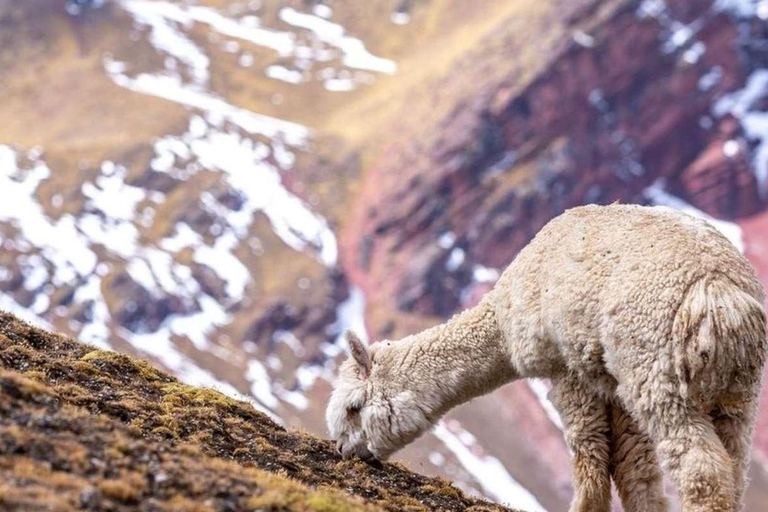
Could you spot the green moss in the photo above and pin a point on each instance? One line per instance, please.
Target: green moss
(327, 502)
(196, 446)
(181, 395)
(449, 491)
(135, 366)
(281, 493)
(120, 490)
(35, 375)
(164, 432)
(277, 494)
(98, 354)
(24, 386)
(183, 504)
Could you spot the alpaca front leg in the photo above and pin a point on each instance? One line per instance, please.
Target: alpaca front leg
(634, 466)
(587, 431)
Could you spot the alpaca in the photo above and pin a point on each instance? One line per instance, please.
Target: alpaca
(649, 323)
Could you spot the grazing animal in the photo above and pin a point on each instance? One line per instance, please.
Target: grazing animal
(650, 324)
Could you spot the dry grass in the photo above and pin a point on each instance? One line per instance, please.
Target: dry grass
(100, 430)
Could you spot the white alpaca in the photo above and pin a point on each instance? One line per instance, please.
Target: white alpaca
(651, 326)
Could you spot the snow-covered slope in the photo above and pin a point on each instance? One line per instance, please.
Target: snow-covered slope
(225, 186)
(196, 245)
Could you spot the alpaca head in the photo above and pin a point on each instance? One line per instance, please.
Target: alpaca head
(372, 413)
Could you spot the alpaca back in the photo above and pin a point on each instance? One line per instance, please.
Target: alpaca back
(599, 289)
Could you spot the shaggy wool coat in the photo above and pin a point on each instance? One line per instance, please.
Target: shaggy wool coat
(650, 324)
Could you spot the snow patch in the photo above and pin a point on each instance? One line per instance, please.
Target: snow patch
(322, 11)
(160, 17)
(400, 18)
(679, 38)
(490, 473)
(455, 259)
(168, 22)
(60, 242)
(583, 39)
(183, 238)
(247, 171)
(140, 272)
(339, 84)
(731, 148)
(227, 266)
(693, 54)
(112, 196)
(437, 459)
(741, 104)
(742, 8)
(294, 398)
(482, 274)
(96, 330)
(355, 55)
(350, 316)
(34, 272)
(540, 388)
(11, 306)
(447, 240)
(172, 88)
(154, 13)
(710, 79)
(651, 9)
(261, 384)
(284, 74)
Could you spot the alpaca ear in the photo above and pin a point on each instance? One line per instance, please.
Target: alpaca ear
(359, 352)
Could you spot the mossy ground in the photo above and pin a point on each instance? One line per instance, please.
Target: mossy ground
(95, 430)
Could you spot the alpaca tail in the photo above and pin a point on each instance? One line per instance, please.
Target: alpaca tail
(719, 337)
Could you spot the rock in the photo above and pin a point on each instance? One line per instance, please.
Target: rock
(600, 124)
(139, 310)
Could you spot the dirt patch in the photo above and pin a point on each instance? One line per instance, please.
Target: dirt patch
(89, 429)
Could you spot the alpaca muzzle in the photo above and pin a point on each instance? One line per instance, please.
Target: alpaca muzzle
(360, 451)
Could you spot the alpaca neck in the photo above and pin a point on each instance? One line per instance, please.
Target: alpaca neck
(453, 362)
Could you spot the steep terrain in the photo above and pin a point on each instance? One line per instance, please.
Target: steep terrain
(174, 174)
(225, 186)
(96, 430)
(648, 102)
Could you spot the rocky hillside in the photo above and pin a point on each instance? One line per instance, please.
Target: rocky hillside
(89, 429)
(224, 186)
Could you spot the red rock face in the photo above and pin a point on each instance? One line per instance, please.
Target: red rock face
(755, 229)
(630, 102)
(601, 124)
(500, 116)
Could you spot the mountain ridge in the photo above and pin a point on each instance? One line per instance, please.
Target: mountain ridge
(224, 186)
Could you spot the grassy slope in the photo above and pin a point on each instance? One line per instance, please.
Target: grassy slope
(96, 430)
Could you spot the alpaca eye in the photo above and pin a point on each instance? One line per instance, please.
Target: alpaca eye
(353, 410)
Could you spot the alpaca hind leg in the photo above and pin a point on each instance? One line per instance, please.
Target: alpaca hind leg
(734, 427)
(692, 454)
(634, 466)
(587, 431)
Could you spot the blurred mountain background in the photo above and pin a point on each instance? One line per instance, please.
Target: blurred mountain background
(224, 186)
